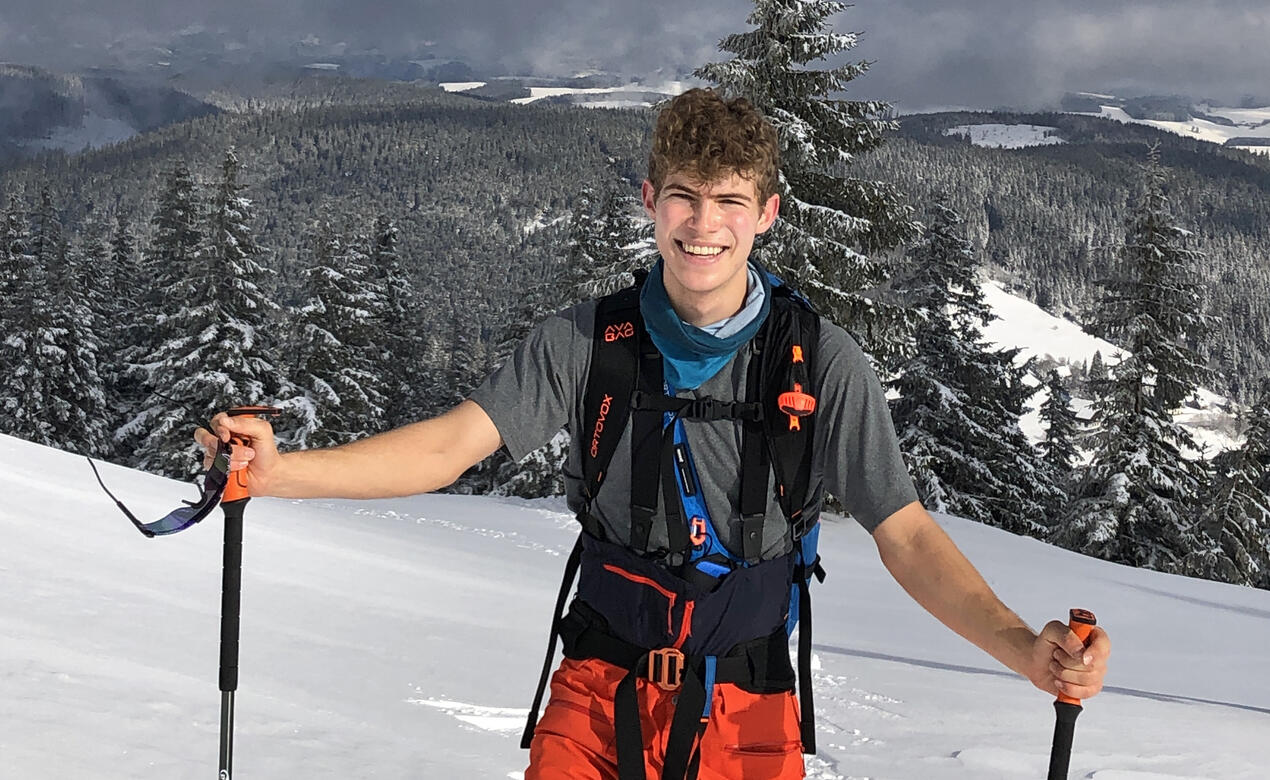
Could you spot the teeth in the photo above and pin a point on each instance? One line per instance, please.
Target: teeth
(704, 251)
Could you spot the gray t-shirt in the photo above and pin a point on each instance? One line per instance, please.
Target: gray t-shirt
(539, 390)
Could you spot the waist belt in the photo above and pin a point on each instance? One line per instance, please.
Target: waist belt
(759, 666)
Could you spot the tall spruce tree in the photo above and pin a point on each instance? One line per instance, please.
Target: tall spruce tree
(830, 219)
(959, 403)
(1138, 500)
(177, 233)
(1236, 519)
(26, 341)
(337, 359)
(52, 393)
(216, 347)
(77, 403)
(400, 330)
(1058, 449)
(127, 317)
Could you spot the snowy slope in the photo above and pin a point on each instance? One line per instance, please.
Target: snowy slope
(1247, 123)
(1000, 136)
(401, 639)
(1037, 333)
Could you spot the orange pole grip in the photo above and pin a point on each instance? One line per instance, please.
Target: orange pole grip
(1081, 622)
(236, 488)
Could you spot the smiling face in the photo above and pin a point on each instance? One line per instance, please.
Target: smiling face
(705, 231)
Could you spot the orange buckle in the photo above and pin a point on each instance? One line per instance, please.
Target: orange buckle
(697, 534)
(666, 668)
(796, 404)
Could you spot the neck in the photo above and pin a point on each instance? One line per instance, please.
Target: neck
(702, 309)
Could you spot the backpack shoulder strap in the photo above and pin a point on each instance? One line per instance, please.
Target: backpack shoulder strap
(615, 356)
(788, 364)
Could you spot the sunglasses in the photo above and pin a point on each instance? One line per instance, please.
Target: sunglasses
(214, 480)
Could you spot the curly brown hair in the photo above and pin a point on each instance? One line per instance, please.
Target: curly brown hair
(707, 138)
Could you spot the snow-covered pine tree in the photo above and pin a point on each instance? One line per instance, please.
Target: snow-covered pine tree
(830, 220)
(51, 392)
(25, 339)
(337, 358)
(216, 347)
(177, 232)
(76, 405)
(400, 331)
(1061, 426)
(958, 412)
(1138, 501)
(1157, 297)
(1236, 518)
(126, 318)
(609, 239)
(14, 262)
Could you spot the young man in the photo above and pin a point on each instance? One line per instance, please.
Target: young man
(684, 580)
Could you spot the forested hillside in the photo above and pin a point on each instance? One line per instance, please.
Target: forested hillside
(1049, 217)
(466, 179)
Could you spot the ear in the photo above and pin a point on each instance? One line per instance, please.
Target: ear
(767, 216)
(649, 197)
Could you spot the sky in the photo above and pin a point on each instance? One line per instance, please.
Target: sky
(928, 53)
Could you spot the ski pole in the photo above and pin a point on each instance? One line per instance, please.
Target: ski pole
(233, 502)
(1066, 708)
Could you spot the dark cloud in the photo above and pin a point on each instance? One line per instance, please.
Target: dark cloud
(979, 53)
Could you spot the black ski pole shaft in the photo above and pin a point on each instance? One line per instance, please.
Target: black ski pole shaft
(231, 598)
(1066, 708)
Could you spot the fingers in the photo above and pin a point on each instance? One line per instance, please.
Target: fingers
(244, 426)
(1065, 640)
(1077, 668)
(240, 457)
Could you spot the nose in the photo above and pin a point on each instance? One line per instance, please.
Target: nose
(706, 214)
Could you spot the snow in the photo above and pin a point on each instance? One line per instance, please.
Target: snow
(1250, 123)
(461, 86)
(403, 638)
(541, 222)
(537, 93)
(1037, 333)
(999, 136)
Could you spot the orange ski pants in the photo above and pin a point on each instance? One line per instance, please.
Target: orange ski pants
(749, 735)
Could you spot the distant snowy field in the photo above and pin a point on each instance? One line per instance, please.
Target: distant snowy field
(1247, 123)
(402, 639)
(1001, 136)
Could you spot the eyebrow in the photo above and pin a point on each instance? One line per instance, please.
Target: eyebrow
(717, 195)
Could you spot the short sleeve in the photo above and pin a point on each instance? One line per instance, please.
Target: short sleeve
(863, 465)
(532, 395)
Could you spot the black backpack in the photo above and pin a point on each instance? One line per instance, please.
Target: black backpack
(777, 415)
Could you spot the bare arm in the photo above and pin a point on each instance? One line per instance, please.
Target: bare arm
(926, 563)
(416, 458)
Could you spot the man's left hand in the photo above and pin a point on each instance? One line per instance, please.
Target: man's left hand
(1061, 663)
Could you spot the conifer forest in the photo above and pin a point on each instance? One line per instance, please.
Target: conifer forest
(363, 253)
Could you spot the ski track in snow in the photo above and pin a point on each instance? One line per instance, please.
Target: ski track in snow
(516, 538)
(498, 719)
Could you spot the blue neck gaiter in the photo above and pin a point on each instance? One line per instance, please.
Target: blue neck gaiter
(691, 355)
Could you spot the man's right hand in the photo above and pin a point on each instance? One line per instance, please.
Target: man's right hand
(259, 457)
